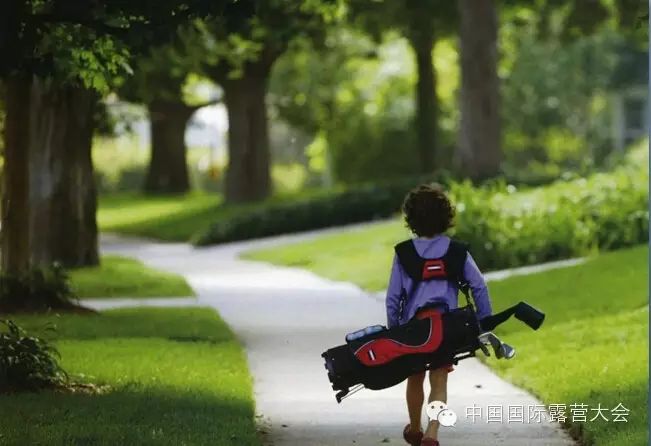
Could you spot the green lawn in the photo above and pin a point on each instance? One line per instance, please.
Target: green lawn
(124, 277)
(177, 218)
(593, 347)
(176, 377)
(609, 283)
(345, 255)
(173, 218)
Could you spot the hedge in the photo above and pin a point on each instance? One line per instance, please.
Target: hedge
(504, 226)
(356, 204)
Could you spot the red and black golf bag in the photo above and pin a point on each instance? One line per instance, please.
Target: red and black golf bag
(387, 357)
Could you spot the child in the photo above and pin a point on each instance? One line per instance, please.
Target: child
(428, 214)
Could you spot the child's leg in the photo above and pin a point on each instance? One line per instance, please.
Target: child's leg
(415, 399)
(438, 380)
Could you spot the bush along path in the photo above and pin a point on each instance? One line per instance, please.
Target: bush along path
(504, 225)
(287, 317)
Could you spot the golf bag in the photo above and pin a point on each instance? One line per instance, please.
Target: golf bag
(384, 358)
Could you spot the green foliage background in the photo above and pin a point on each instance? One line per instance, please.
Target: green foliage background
(504, 226)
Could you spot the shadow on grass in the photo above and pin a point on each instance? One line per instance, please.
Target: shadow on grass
(633, 431)
(195, 339)
(177, 227)
(162, 417)
(181, 325)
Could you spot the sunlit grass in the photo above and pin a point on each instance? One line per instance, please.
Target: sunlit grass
(124, 277)
(593, 347)
(605, 284)
(174, 218)
(175, 377)
(362, 256)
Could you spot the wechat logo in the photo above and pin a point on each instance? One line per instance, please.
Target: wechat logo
(439, 411)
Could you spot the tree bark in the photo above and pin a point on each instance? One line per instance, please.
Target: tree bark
(427, 104)
(168, 169)
(15, 190)
(248, 177)
(62, 193)
(480, 152)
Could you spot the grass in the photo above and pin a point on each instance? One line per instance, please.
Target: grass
(343, 256)
(172, 218)
(593, 348)
(124, 277)
(609, 283)
(176, 377)
(178, 218)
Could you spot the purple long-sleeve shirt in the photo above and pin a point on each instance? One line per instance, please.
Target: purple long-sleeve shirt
(433, 291)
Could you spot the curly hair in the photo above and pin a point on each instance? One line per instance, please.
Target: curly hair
(428, 211)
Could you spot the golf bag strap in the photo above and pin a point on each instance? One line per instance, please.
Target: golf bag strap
(447, 267)
(451, 266)
(464, 287)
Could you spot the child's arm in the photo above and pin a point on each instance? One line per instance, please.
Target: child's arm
(394, 292)
(478, 286)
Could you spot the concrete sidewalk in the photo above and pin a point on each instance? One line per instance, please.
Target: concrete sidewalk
(286, 317)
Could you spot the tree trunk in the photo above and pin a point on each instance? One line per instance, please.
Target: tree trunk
(63, 197)
(247, 177)
(426, 99)
(168, 169)
(15, 190)
(480, 152)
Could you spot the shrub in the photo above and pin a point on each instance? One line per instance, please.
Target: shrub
(38, 289)
(27, 363)
(356, 204)
(506, 228)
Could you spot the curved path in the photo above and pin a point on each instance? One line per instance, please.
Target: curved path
(286, 317)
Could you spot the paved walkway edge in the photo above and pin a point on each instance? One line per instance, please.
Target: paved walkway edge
(123, 302)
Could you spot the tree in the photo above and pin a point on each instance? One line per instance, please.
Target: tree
(15, 199)
(479, 148)
(480, 129)
(352, 99)
(422, 22)
(158, 81)
(49, 198)
(54, 54)
(62, 196)
(556, 114)
(242, 67)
